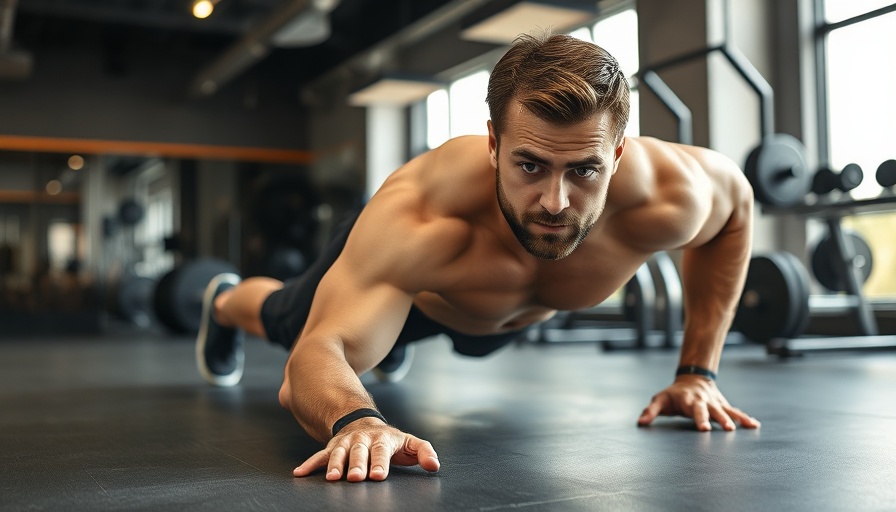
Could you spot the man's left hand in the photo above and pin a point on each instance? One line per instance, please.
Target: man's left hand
(695, 397)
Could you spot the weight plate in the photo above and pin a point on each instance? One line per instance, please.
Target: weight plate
(886, 173)
(778, 171)
(825, 260)
(130, 212)
(774, 302)
(178, 296)
(801, 321)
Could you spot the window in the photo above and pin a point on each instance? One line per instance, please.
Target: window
(154, 188)
(62, 247)
(858, 42)
(459, 110)
(468, 111)
(438, 127)
(618, 34)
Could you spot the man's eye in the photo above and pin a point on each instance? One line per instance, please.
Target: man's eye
(529, 167)
(585, 172)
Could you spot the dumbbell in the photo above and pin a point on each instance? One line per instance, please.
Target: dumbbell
(886, 173)
(827, 180)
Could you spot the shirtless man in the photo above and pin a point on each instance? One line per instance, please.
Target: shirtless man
(485, 236)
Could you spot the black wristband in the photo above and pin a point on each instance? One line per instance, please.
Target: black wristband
(356, 415)
(695, 370)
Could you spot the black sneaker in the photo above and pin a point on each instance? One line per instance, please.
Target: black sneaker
(219, 350)
(396, 364)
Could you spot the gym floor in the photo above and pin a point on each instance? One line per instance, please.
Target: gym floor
(124, 422)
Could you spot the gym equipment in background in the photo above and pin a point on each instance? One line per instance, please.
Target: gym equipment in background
(826, 266)
(128, 294)
(129, 297)
(177, 299)
(886, 173)
(776, 305)
(779, 172)
(827, 180)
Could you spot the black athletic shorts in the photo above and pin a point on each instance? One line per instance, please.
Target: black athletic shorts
(285, 311)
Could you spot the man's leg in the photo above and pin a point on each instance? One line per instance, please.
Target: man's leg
(240, 306)
(261, 306)
(230, 308)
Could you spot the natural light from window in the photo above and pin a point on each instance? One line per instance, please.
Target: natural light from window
(861, 80)
(618, 34)
(438, 129)
(862, 97)
(467, 106)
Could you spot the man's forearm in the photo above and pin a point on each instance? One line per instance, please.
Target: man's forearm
(319, 387)
(713, 277)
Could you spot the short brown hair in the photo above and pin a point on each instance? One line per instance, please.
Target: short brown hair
(560, 79)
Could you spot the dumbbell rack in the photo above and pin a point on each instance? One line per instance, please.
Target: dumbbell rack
(854, 302)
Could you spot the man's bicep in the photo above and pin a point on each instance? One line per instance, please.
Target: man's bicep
(364, 312)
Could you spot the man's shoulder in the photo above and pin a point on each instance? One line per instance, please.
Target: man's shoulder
(662, 189)
(457, 179)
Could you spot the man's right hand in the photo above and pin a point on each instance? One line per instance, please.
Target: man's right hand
(365, 448)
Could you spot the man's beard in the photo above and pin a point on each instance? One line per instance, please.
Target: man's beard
(546, 246)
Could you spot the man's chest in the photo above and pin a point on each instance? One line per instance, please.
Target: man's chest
(502, 289)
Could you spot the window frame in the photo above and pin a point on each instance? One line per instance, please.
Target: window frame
(822, 29)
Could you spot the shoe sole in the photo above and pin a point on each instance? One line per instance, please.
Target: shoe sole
(208, 305)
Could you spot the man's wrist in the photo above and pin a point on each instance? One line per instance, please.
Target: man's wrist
(355, 415)
(696, 370)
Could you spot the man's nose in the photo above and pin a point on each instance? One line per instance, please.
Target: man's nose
(556, 198)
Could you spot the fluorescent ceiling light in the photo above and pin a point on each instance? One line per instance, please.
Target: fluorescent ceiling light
(394, 91)
(529, 16)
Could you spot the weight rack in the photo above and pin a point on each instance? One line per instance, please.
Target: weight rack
(849, 271)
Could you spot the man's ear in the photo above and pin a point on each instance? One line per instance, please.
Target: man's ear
(492, 144)
(618, 156)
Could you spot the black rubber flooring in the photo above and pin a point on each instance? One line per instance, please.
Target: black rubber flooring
(124, 422)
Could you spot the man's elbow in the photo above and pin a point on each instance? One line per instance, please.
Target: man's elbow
(285, 395)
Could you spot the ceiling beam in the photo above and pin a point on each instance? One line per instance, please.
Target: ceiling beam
(251, 48)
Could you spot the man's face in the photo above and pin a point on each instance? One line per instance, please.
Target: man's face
(552, 180)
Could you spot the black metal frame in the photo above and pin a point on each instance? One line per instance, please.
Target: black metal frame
(754, 79)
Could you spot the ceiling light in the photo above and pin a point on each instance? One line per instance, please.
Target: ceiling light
(203, 8)
(54, 187)
(76, 162)
(528, 16)
(394, 91)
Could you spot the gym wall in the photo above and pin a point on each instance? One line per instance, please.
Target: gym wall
(87, 89)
